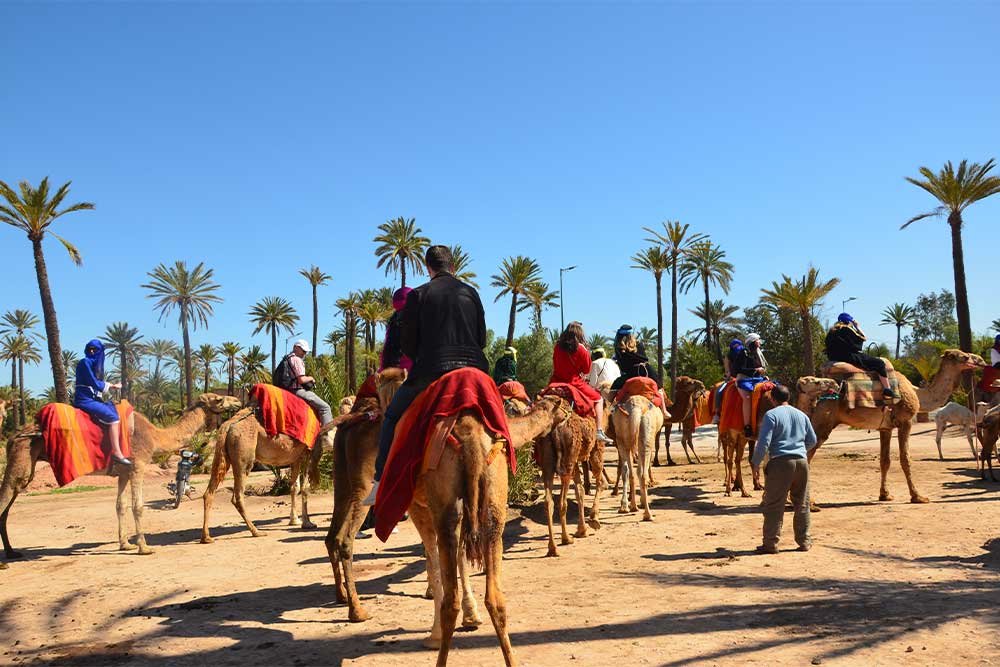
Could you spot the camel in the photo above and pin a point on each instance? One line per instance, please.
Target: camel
(682, 412)
(988, 431)
(827, 414)
(637, 420)
(953, 413)
(460, 476)
(734, 443)
(3, 412)
(562, 451)
(241, 442)
(26, 448)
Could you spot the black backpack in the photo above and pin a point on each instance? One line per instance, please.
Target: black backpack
(283, 376)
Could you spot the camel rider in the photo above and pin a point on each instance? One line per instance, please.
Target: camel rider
(392, 349)
(570, 363)
(89, 392)
(633, 363)
(844, 343)
(505, 369)
(995, 352)
(291, 376)
(444, 329)
(747, 363)
(602, 369)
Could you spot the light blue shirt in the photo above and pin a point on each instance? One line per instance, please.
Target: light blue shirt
(785, 431)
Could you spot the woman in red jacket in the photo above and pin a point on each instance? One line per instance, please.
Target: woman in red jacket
(571, 363)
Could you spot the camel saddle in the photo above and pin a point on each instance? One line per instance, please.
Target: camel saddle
(861, 388)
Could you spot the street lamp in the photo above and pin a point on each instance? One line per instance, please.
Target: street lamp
(562, 320)
(289, 338)
(843, 304)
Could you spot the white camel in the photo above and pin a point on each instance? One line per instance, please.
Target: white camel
(953, 413)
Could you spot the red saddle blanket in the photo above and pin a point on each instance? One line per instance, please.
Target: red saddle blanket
(990, 375)
(74, 442)
(582, 405)
(731, 417)
(283, 412)
(640, 386)
(513, 389)
(462, 389)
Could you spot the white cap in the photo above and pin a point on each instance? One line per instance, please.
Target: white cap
(302, 344)
(752, 338)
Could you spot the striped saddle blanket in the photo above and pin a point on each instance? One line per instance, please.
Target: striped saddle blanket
(283, 412)
(74, 443)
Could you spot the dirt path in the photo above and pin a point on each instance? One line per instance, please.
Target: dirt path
(887, 583)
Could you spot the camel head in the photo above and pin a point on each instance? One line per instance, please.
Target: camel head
(346, 403)
(547, 414)
(966, 361)
(811, 388)
(688, 385)
(216, 406)
(388, 381)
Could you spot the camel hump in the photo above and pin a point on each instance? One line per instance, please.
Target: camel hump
(838, 370)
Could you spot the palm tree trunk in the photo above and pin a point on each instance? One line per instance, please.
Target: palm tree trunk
(659, 326)
(510, 322)
(315, 320)
(961, 292)
(899, 331)
(402, 273)
(125, 393)
(52, 323)
(232, 375)
(20, 386)
(673, 326)
(188, 388)
(809, 362)
(13, 388)
(207, 372)
(274, 350)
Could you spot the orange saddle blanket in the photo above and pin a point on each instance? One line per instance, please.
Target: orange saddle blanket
(74, 442)
(443, 399)
(513, 389)
(640, 386)
(731, 417)
(283, 412)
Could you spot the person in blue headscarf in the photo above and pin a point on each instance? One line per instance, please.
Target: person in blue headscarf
(89, 396)
(844, 343)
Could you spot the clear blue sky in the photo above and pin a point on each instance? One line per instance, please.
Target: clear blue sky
(262, 138)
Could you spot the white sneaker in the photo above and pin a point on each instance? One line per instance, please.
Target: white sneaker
(603, 438)
(370, 498)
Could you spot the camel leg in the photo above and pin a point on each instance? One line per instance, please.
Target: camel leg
(885, 459)
(294, 488)
(123, 541)
(667, 428)
(7, 497)
(220, 466)
(340, 549)
(597, 466)
(741, 445)
(632, 477)
(447, 539)
(728, 453)
(305, 488)
(138, 471)
(470, 610)
(937, 438)
(548, 511)
(643, 475)
(623, 473)
(581, 527)
(586, 480)
(688, 441)
(903, 434)
(424, 523)
(21, 456)
(972, 443)
(239, 479)
(564, 481)
(618, 477)
(496, 603)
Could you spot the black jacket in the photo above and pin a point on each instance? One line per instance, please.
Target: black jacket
(444, 328)
(741, 363)
(842, 343)
(391, 350)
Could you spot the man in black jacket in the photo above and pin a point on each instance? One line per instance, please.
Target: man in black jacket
(844, 343)
(444, 328)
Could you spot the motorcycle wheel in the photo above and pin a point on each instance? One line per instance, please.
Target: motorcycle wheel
(179, 493)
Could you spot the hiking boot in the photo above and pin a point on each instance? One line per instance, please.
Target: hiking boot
(748, 431)
(805, 546)
(762, 549)
(603, 438)
(370, 498)
(888, 393)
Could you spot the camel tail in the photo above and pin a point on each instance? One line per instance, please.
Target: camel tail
(476, 516)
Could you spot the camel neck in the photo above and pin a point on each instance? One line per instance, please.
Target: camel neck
(939, 391)
(526, 428)
(156, 439)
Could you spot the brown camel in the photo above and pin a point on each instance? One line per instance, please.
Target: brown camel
(988, 431)
(637, 420)
(28, 447)
(734, 443)
(242, 441)
(827, 414)
(435, 507)
(562, 451)
(682, 412)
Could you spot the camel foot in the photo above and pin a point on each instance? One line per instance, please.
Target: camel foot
(757, 486)
(614, 492)
(813, 507)
(566, 540)
(127, 546)
(647, 517)
(580, 532)
(884, 497)
(254, 532)
(671, 462)
(919, 499)
(145, 551)
(431, 643)
(295, 523)
(633, 508)
(308, 525)
(744, 494)
(340, 596)
(358, 615)
(471, 621)
(3, 566)
(207, 539)
(594, 523)
(552, 553)
(656, 462)
(622, 510)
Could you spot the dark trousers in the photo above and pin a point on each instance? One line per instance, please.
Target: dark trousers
(784, 475)
(869, 363)
(400, 401)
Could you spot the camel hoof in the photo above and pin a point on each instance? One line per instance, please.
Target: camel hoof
(308, 525)
(744, 494)
(813, 507)
(622, 510)
(128, 546)
(671, 463)
(919, 500)
(3, 566)
(595, 524)
(471, 622)
(295, 523)
(566, 540)
(254, 533)
(884, 498)
(145, 551)
(552, 553)
(206, 539)
(614, 492)
(647, 517)
(431, 643)
(581, 532)
(358, 616)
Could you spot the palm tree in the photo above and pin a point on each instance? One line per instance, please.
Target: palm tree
(177, 360)
(956, 191)
(153, 394)
(537, 296)
(646, 336)
(517, 274)
(230, 351)
(995, 324)
(192, 293)
(160, 349)
(724, 324)
(598, 340)
(899, 315)
(18, 323)
(348, 307)
(335, 338)
(315, 278)
(801, 296)
(676, 243)
(401, 245)
(20, 349)
(375, 307)
(33, 212)
(206, 356)
(69, 361)
(252, 368)
(124, 343)
(460, 262)
(655, 260)
(705, 262)
(272, 313)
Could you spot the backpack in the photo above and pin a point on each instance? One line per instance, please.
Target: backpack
(283, 376)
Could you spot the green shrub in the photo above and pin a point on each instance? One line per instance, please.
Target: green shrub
(521, 486)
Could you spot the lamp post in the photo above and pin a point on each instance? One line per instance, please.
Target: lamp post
(289, 338)
(843, 304)
(562, 319)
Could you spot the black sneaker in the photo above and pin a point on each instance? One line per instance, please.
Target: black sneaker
(888, 393)
(747, 431)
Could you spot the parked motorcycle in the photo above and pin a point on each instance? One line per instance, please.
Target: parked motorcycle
(182, 483)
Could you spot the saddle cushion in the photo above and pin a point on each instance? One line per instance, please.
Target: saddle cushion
(639, 386)
(513, 389)
(74, 442)
(582, 404)
(283, 412)
(839, 369)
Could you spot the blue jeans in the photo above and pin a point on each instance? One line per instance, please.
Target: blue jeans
(402, 399)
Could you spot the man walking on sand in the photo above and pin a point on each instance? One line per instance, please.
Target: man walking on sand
(786, 436)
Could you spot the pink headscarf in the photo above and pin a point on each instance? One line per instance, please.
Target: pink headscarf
(399, 297)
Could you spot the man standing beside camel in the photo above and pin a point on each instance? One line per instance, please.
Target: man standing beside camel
(786, 436)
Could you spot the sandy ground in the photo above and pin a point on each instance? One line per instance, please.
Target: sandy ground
(886, 583)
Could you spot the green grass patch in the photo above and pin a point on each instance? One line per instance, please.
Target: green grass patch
(72, 489)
